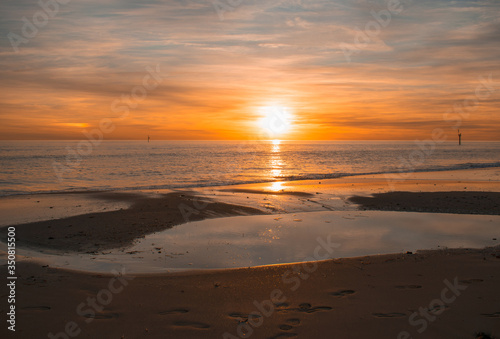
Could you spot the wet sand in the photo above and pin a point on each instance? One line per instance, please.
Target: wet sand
(373, 297)
(487, 203)
(94, 232)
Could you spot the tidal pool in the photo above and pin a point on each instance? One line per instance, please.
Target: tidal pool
(246, 241)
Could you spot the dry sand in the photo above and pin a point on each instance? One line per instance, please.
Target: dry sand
(369, 297)
(373, 297)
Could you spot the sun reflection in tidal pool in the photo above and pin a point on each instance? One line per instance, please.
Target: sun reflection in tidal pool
(276, 186)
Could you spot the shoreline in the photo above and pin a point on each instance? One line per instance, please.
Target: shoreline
(483, 179)
(325, 177)
(124, 217)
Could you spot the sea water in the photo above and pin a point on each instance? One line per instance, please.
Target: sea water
(63, 166)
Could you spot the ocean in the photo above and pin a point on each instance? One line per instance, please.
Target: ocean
(29, 167)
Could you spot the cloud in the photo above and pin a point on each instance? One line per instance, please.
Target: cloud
(220, 72)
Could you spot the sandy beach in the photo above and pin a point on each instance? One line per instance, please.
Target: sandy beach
(445, 293)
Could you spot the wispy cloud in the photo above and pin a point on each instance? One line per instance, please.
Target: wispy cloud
(220, 72)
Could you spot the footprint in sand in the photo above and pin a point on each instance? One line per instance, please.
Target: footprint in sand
(243, 317)
(289, 324)
(282, 307)
(307, 308)
(293, 321)
(284, 335)
(470, 281)
(239, 316)
(304, 307)
(389, 315)
(101, 316)
(411, 287)
(174, 311)
(438, 308)
(342, 293)
(192, 324)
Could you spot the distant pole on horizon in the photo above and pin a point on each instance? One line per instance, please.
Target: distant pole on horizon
(459, 138)
(148, 138)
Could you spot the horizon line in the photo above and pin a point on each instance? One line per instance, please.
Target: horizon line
(151, 140)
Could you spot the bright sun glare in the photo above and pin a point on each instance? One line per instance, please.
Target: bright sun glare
(276, 120)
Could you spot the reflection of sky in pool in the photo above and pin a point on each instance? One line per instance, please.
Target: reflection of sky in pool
(274, 239)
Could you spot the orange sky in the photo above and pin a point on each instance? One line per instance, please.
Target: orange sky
(220, 77)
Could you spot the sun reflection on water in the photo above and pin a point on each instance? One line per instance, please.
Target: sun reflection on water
(276, 146)
(276, 166)
(275, 162)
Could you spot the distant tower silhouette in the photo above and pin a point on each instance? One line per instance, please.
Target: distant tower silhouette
(459, 138)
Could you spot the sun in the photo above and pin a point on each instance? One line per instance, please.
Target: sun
(275, 121)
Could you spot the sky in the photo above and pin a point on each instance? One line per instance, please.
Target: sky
(249, 69)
